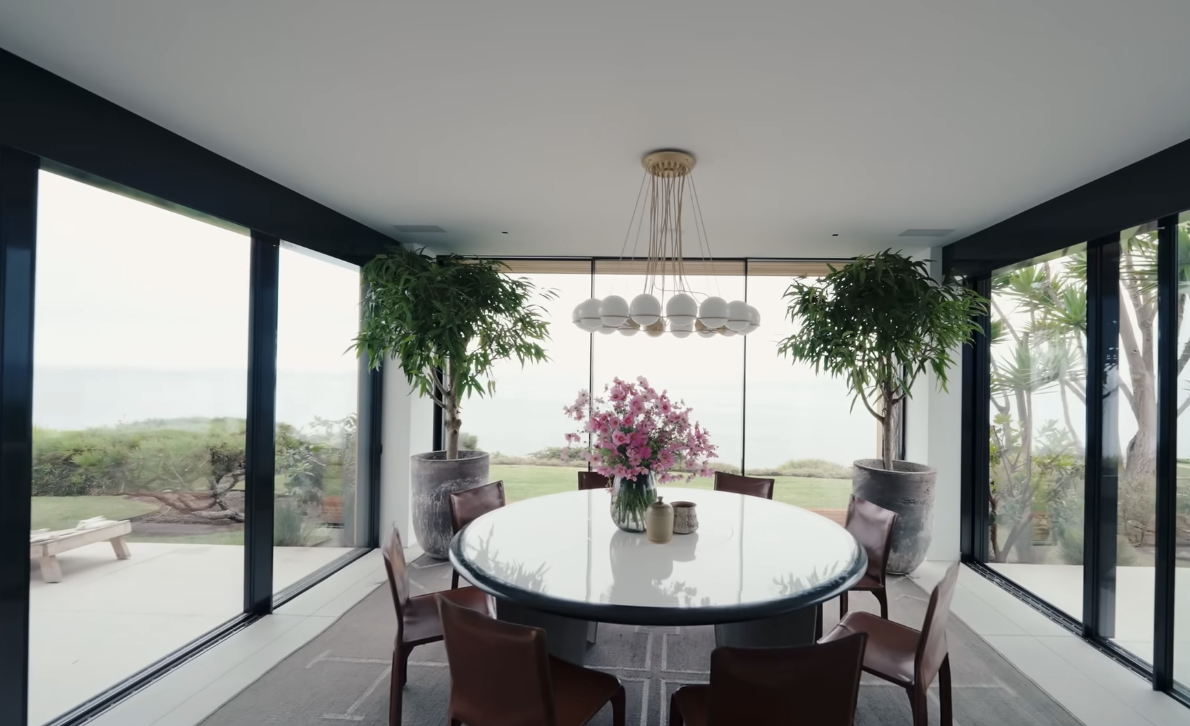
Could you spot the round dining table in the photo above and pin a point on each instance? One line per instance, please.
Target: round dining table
(755, 569)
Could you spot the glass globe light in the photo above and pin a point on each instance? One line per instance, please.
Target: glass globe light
(753, 320)
(645, 309)
(656, 329)
(588, 315)
(613, 311)
(738, 316)
(629, 328)
(681, 310)
(606, 330)
(727, 332)
(713, 312)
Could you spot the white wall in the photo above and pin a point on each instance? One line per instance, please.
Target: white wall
(933, 435)
(407, 430)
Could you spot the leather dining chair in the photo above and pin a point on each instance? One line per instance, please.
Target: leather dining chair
(814, 684)
(417, 617)
(502, 675)
(592, 480)
(906, 657)
(747, 485)
(872, 526)
(466, 506)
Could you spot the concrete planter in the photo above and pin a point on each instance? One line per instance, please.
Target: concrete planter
(434, 479)
(908, 490)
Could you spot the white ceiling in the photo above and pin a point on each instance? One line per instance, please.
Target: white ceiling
(857, 117)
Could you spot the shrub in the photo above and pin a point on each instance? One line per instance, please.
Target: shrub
(811, 468)
(289, 525)
(1070, 546)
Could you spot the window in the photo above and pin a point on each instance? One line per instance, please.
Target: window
(707, 373)
(141, 346)
(318, 495)
(522, 427)
(801, 428)
(1038, 416)
(1181, 634)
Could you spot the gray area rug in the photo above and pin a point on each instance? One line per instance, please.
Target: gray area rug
(343, 675)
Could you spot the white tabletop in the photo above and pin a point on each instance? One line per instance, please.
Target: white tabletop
(751, 558)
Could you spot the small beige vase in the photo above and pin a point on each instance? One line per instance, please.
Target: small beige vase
(659, 522)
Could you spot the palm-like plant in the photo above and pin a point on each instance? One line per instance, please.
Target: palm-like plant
(447, 321)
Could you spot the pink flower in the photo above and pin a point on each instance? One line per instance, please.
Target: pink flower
(620, 438)
(573, 438)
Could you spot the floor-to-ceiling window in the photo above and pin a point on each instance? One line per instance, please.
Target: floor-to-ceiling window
(1181, 634)
(318, 495)
(141, 347)
(800, 426)
(706, 373)
(1038, 428)
(522, 426)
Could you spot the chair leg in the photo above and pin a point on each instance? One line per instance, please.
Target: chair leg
(944, 695)
(618, 707)
(454, 580)
(592, 631)
(917, 702)
(842, 605)
(675, 713)
(818, 623)
(394, 693)
(882, 597)
(404, 674)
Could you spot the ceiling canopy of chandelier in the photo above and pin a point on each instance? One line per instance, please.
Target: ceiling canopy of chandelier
(667, 303)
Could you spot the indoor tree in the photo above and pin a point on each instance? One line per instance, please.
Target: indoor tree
(447, 321)
(880, 321)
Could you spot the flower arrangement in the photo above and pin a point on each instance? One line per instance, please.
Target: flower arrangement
(637, 433)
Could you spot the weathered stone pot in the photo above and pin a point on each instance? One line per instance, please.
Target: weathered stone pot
(908, 490)
(434, 479)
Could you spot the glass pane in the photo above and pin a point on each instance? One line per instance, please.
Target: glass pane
(1181, 650)
(522, 427)
(1038, 428)
(707, 373)
(801, 428)
(317, 496)
(1135, 441)
(141, 349)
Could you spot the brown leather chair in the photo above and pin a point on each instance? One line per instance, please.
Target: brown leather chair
(417, 617)
(815, 684)
(907, 657)
(747, 485)
(872, 529)
(592, 480)
(872, 526)
(502, 675)
(466, 506)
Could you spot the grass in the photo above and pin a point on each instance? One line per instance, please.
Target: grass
(65, 512)
(218, 538)
(524, 482)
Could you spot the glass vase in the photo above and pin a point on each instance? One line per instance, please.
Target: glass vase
(631, 499)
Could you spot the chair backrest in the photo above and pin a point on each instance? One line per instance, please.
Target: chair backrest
(466, 506)
(592, 480)
(747, 485)
(398, 575)
(932, 648)
(499, 672)
(872, 526)
(814, 684)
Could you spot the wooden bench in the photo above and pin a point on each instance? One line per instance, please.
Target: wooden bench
(46, 546)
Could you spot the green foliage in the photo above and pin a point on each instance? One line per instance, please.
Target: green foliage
(451, 314)
(289, 525)
(468, 442)
(880, 322)
(811, 468)
(1070, 547)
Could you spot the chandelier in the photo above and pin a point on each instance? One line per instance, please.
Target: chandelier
(667, 303)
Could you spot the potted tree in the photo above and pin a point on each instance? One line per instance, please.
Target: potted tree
(447, 321)
(880, 322)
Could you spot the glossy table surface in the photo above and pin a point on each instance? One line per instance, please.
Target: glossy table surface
(751, 558)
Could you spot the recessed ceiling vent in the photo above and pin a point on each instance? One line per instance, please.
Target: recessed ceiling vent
(418, 229)
(926, 233)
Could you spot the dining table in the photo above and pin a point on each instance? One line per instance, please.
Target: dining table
(756, 569)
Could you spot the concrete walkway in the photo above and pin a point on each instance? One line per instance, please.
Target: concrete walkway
(110, 618)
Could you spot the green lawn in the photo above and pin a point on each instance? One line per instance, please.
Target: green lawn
(523, 482)
(65, 512)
